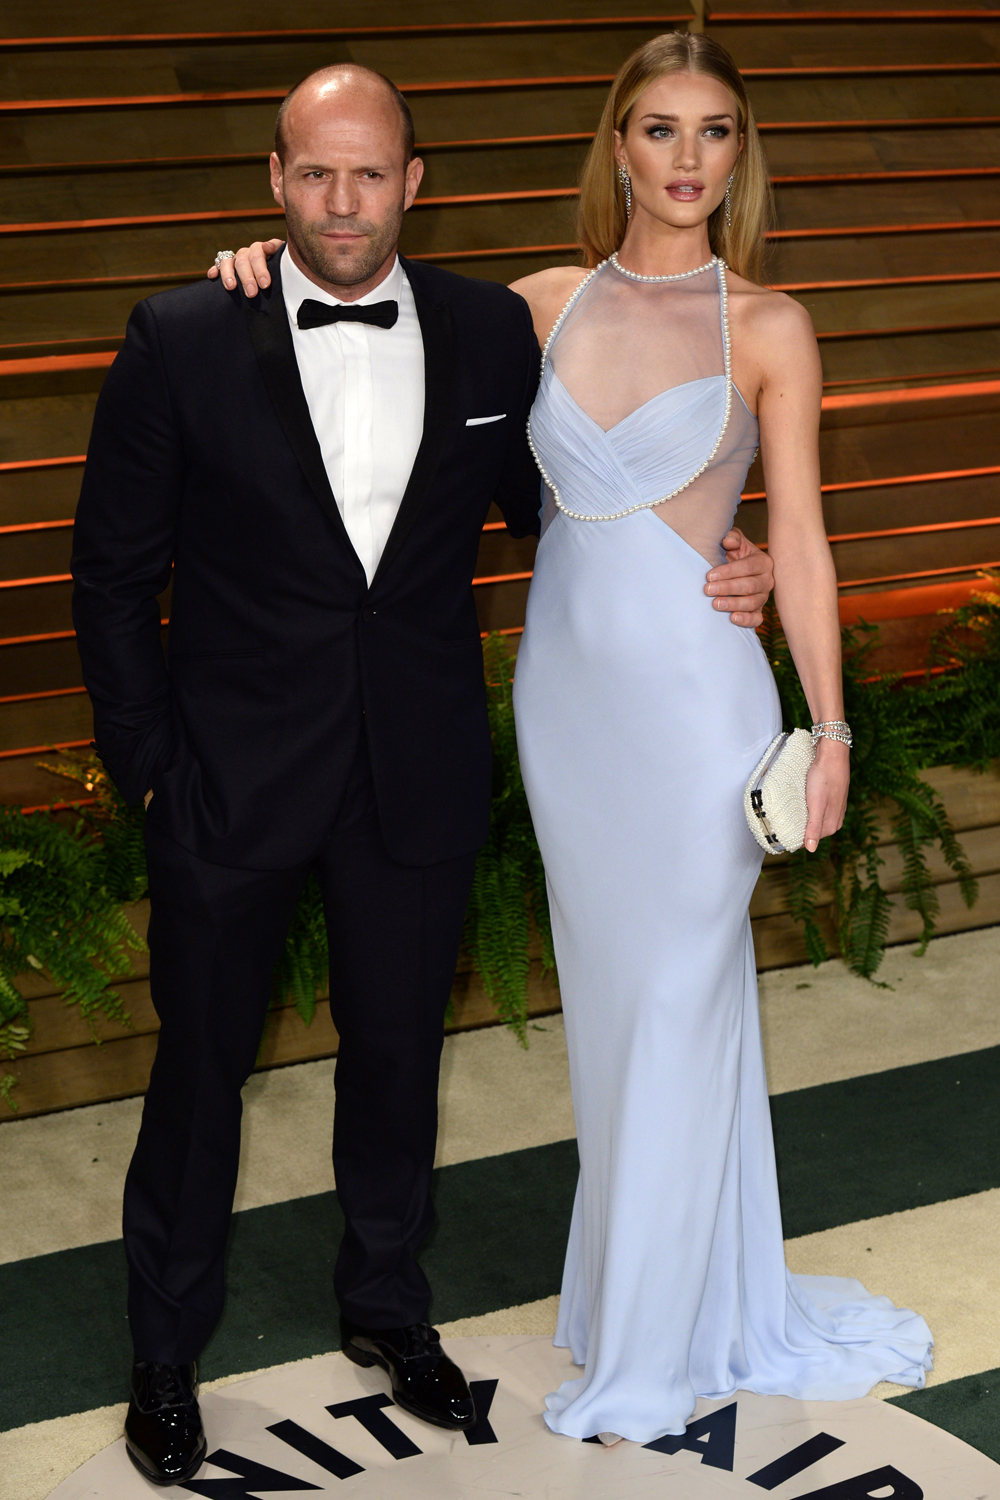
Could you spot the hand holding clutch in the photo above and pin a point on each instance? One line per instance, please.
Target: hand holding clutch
(775, 795)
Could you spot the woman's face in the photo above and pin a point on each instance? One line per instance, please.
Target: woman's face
(679, 147)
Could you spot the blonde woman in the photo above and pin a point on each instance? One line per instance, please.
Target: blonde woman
(640, 716)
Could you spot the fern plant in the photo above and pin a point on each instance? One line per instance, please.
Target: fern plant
(61, 893)
(952, 716)
(302, 971)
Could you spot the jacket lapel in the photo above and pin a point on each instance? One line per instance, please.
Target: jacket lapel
(271, 336)
(440, 379)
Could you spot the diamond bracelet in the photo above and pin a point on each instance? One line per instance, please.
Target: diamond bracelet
(833, 729)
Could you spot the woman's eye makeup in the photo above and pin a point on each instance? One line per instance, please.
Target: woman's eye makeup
(663, 132)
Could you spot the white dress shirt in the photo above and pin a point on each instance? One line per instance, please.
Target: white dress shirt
(365, 390)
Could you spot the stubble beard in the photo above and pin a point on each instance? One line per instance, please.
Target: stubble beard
(343, 265)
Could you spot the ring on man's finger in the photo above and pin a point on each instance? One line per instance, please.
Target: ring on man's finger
(224, 255)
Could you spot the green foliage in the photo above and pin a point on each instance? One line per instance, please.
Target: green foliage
(302, 971)
(63, 880)
(950, 716)
(508, 891)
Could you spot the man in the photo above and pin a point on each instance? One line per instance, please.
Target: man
(313, 465)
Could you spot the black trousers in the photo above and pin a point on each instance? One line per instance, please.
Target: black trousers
(215, 934)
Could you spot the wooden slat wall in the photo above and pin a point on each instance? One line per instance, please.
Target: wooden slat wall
(126, 159)
(133, 143)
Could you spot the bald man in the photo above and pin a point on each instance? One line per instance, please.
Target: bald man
(308, 460)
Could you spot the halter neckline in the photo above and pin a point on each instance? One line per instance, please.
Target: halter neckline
(677, 276)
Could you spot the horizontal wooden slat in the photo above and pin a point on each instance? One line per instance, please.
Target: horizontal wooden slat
(850, 231)
(44, 749)
(67, 692)
(839, 334)
(477, 85)
(265, 96)
(139, 221)
(51, 364)
(901, 604)
(28, 583)
(347, 33)
(928, 528)
(944, 278)
(21, 465)
(33, 640)
(23, 526)
(819, 127)
(798, 17)
(852, 583)
(461, 28)
(897, 479)
(952, 392)
(919, 174)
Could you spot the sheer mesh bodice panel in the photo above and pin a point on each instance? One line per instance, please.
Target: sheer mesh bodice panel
(636, 409)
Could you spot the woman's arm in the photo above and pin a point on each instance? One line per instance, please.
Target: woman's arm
(805, 582)
(250, 266)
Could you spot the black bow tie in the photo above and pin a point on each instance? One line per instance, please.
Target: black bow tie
(313, 314)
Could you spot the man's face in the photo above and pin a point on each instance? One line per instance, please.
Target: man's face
(344, 185)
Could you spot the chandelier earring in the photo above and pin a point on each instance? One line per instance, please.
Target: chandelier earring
(729, 218)
(626, 183)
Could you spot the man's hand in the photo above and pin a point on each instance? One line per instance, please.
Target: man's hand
(250, 266)
(742, 584)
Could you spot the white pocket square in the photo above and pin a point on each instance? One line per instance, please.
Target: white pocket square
(480, 421)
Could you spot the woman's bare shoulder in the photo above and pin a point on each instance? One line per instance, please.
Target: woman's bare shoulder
(556, 281)
(547, 292)
(767, 313)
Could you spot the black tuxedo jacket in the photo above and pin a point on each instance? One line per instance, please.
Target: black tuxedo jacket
(204, 466)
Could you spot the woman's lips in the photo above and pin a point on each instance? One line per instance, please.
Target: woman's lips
(685, 190)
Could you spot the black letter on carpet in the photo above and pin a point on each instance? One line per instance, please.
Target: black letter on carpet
(313, 1447)
(802, 1457)
(254, 1478)
(483, 1392)
(368, 1410)
(862, 1486)
(718, 1430)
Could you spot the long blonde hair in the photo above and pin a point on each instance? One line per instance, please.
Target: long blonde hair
(601, 219)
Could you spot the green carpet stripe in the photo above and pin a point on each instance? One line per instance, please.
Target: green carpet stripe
(64, 1343)
(968, 1408)
(888, 1141)
(846, 1151)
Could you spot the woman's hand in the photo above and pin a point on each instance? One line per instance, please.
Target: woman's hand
(250, 266)
(826, 791)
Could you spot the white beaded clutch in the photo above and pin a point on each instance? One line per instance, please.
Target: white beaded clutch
(775, 796)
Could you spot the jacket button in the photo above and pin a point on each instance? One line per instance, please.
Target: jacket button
(367, 614)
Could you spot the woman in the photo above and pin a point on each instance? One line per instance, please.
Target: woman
(641, 714)
(640, 717)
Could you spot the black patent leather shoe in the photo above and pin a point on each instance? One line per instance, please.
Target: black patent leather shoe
(164, 1437)
(425, 1382)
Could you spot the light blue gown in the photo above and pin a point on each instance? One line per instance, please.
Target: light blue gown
(641, 711)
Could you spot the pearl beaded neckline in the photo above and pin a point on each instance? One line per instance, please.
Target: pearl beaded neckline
(677, 275)
(716, 264)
